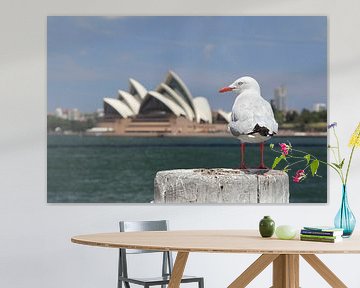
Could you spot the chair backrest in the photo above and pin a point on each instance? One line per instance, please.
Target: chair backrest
(134, 226)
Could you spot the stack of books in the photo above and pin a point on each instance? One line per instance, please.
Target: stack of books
(321, 234)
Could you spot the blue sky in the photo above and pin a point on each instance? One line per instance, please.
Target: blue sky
(90, 58)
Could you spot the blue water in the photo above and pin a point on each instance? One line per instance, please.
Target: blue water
(90, 169)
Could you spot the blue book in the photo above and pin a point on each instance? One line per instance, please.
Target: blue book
(322, 231)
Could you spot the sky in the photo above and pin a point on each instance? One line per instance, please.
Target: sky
(92, 57)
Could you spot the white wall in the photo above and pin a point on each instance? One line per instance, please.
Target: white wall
(35, 248)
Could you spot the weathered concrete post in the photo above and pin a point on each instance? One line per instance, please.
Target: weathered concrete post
(220, 185)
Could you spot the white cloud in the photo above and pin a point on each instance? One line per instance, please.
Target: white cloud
(208, 50)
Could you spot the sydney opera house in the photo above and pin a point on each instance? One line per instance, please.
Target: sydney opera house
(170, 109)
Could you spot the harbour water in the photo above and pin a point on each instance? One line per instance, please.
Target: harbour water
(91, 169)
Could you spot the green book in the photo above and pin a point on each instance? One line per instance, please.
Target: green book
(325, 240)
(319, 236)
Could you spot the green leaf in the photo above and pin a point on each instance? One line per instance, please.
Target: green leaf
(342, 163)
(314, 166)
(335, 164)
(339, 166)
(277, 161)
(271, 146)
(307, 157)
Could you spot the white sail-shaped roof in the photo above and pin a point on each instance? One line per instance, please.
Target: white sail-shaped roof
(154, 101)
(119, 106)
(137, 89)
(174, 82)
(130, 100)
(171, 97)
(202, 110)
(225, 115)
(165, 89)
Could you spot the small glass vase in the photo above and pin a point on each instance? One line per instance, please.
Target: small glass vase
(345, 219)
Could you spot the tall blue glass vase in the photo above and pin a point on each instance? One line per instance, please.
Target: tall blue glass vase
(345, 218)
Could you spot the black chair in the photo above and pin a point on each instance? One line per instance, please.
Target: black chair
(167, 265)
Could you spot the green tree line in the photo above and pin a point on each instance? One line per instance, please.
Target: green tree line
(306, 120)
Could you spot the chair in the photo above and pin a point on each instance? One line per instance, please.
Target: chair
(167, 262)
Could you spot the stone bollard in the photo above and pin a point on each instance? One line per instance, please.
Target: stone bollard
(221, 185)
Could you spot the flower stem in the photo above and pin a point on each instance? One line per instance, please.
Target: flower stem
(337, 144)
(351, 155)
(322, 162)
(339, 162)
(292, 164)
(348, 167)
(334, 154)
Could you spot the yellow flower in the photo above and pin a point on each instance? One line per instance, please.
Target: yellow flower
(355, 137)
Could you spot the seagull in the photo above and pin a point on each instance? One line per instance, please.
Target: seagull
(252, 118)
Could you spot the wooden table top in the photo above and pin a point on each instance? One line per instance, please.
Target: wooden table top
(217, 241)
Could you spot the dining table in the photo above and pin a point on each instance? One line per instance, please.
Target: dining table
(282, 254)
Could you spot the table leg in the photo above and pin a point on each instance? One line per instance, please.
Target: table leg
(286, 271)
(253, 270)
(324, 271)
(178, 270)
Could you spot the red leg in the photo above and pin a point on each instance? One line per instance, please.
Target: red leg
(262, 164)
(242, 163)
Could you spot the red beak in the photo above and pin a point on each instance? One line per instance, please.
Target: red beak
(226, 89)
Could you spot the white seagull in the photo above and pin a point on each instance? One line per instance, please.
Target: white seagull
(252, 118)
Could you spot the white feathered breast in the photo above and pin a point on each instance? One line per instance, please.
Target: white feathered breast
(249, 110)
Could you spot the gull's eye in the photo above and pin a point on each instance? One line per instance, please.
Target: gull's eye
(240, 83)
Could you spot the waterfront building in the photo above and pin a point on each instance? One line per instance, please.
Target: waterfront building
(100, 113)
(280, 98)
(318, 107)
(74, 115)
(168, 109)
(68, 114)
(59, 113)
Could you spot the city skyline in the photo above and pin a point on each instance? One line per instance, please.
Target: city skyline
(316, 107)
(90, 58)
